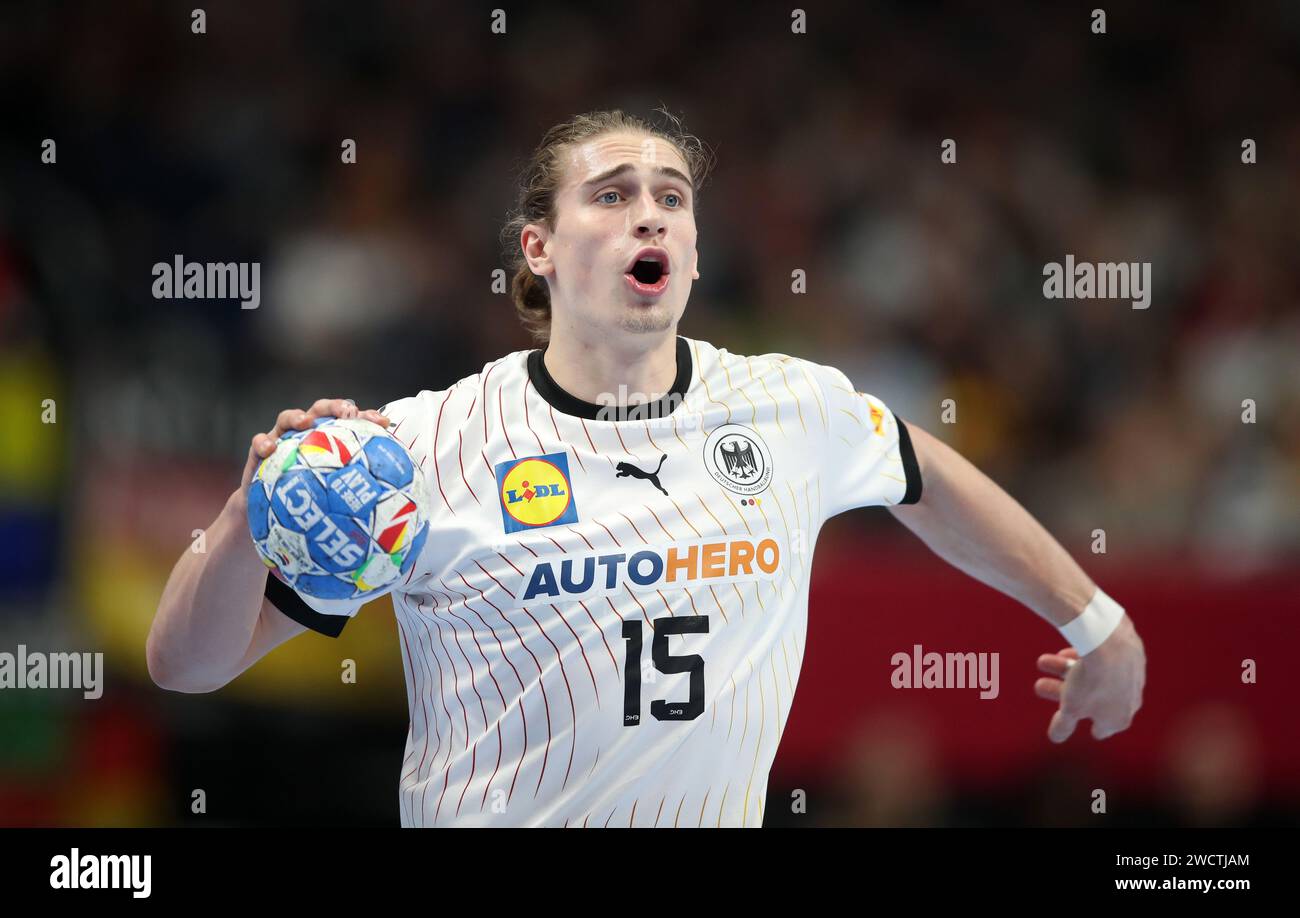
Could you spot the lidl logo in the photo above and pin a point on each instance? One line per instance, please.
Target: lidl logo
(536, 491)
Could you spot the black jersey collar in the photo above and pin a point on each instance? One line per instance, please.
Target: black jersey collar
(563, 402)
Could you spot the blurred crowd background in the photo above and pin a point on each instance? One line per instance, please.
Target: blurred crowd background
(924, 283)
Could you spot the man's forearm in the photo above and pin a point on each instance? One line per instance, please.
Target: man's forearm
(970, 522)
(209, 609)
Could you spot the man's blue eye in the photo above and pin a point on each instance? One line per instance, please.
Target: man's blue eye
(606, 194)
(677, 196)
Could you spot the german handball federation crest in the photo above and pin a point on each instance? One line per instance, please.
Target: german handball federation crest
(738, 459)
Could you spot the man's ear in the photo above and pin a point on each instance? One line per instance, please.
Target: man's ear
(695, 265)
(533, 240)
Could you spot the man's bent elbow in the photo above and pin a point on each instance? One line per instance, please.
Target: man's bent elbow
(172, 678)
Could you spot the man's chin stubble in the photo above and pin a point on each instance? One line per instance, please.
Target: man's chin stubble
(642, 320)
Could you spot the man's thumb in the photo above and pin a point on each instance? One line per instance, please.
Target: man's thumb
(1061, 727)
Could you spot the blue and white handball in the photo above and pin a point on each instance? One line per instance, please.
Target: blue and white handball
(339, 511)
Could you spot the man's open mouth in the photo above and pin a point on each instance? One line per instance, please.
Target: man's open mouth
(648, 272)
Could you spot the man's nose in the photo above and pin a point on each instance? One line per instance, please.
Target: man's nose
(649, 219)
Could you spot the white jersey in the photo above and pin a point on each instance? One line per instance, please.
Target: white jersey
(607, 621)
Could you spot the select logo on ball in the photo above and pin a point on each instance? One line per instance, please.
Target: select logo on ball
(536, 491)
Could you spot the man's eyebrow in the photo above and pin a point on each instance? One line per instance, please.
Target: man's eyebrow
(668, 171)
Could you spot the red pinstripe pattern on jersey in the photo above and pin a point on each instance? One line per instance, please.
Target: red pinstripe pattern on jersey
(611, 535)
(456, 688)
(653, 444)
(601, 632)
(581, 536)
(633, 525)
(495, 580)
(619, 544)
(464, 602)
(442, 699)
(589, 440)
(527, 423)
(505, 428)
(684, 519)
(573, 711)
(522, 715)
(576, 454)
(644, 614)
(659, 521)
(455, 634)
(410, 696)
(460, 459)
(436, 470)
(583, 650)
(546, 704)
(512, 564)
(485, 401)
(424, 689)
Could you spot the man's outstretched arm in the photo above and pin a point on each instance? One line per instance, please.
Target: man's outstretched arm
(970, 522)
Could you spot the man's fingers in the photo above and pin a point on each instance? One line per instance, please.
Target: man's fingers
(1062, 725)
(1049, 689)
(263, 444)
(1054, 664)
(288, 419)
(334, 408)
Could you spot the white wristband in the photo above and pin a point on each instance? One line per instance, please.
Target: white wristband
(1090, 628)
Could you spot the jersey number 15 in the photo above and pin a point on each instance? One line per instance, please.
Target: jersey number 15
(665, 663)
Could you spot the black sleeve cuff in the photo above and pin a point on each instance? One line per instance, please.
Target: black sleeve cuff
(290, 603)
(911, 468)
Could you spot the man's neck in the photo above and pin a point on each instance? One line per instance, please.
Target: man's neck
(594, 373)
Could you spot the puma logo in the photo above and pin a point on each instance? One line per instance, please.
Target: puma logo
(626, 468)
